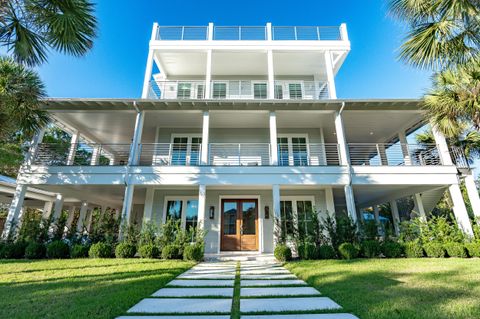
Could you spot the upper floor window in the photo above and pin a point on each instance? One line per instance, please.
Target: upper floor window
(295, 91)
(278, 92)
(259, 90)
(185, 150)
(219, 90)
(292, 150)
(184, 90)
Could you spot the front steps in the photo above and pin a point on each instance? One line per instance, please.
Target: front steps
(240, 256)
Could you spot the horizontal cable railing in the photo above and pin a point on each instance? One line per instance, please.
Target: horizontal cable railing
(458, 157)
(60, 154)
(380, 154)
(240, 33)
(182, 33)
(306, 33)
(169, 154)
(308, 154)
(191, 89)
(301, 90)
(239, 154)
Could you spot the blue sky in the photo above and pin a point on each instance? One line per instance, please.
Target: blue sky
(116, 65)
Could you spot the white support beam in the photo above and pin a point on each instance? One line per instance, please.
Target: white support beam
(350, 201)
(149, 66)
(210, 31)
(148, 210)
(73, 147)
(202, 197)
(137, 138)
(442, 146)
(276, 212)
(208, 75)
(330, 75)
(97, 150)
(395, 217)
(90, 220)
(81, 218)
(273, 139)
(343, 32)
(459, 210)
(472, 192)
(71, 217)
(127, 207)
(271, 75)
(402, 138)
(419, 209)
(15, 211)
(341, 139)
(330, 202)
(58, 207)
(47, 209)
(205, 137)
(33, 147)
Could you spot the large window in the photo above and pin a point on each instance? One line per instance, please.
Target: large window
(296, 214)
(293, 151)
(184, 90)
(185, 150)
(295, 91)
(219, 90)
(260, 90)
(182, 209)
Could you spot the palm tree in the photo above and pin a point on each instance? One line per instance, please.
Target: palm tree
(29, 28)
(442, 32)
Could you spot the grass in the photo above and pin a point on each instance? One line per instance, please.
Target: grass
(398, 288)
(80, 288)
(235, 312)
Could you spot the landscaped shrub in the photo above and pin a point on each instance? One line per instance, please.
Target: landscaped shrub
(434, 250)
(14, 250)
(370, 248)
(125, 250)
(149, 251)
(326, 252)
(79, 251)
(193, 252)
(348, 251)
(413, 249)
(306, 251)
(57, 250)
(473, 249)
(391, 249)
(35, 251)
(456, 250)
(100, 250)
(282, 253)
(171, 252)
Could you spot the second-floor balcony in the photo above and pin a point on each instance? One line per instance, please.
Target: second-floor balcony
(239, 89)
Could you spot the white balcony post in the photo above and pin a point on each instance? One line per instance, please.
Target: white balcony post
(205, 136)
(341, 139)
(402, 138)
(97, 149)
(81, 218)
(472, 192)
(112, 160)
(330, 75)
(273, 139)
(148, 209)
(208, 75)
(202, 196)
(34, 143)
(330, 202)
(442, 146)
(269, 31)
(149, 67)
(276, 212)
(15, 210)
(350, 201)
(395, 217)
(459, 210)
(210, 31)
(419, 209)
(90, 220)
(127, 207)
(137, 138)
(47, 209)
(58, 207)
(71, 216)
(343, 32)
(73, 147)
(271, 75)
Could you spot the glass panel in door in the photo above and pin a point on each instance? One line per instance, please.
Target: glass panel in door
(179, 150)
(299, 150)
(195, 150)
(249, 217)
(230, 218)
(283, 154)
(278, 92)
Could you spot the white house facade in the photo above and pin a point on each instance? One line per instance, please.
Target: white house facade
(237, 127)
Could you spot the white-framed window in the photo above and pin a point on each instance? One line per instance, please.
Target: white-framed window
(295, 213)
(185, 149)
(183, 209)
(293, 150)
(219, 89)
(295, 90)
(260, 90)
(278, 92)
(184, 90)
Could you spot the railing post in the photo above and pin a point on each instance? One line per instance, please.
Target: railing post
(268, 30)
(137, 138)
(73, 147)
(210, 31)
(273, 139)
(239, 153)
(205, 137)
(318, 33)
(208, 75)
(405, 147)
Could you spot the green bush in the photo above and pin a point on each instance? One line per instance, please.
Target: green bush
(473, 249)
(391, 249)
(348, 251)
(282, 253)
(456, 250)
(434, 250)
(149, 251)
(171, 252)
(370, 248)
(58, 250)
(79, 251)
(100, 250)
(125, 250)
(35, 251)
(193, 252)
(326, 252)
(413, 249)
(13, 250)
(306, 251)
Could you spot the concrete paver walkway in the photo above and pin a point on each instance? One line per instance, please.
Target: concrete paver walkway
(264, 291)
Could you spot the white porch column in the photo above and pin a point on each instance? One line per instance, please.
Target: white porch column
(149, 67)
(419, 209)
(402, 138)
(127, 205)
(276, 212)
(97, 150)
(442, 146)
(350, 201)
(472, 192)
(90, 220)
(15, 210)
(148, 210)
(459, 209)
(71, 216)
(208, 75)
(395, 217)
(273, 139)
(341, 139)
(81, 218)
(205, 137)
(73, 147)
(330, 202)
(271, 75)
(57, 210)
(137, 139)
(47, 209)
(330, 75)
(202, 201)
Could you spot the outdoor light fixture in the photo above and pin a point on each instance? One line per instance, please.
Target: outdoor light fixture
(267, 212)
(211, 212)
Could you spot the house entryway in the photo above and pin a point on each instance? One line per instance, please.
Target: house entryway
(239, 224)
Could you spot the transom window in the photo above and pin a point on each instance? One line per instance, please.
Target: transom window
(292, 150)
(185, 150)
(182, 209)
(295, 213)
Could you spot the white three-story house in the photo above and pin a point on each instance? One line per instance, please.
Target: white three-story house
(238, 126)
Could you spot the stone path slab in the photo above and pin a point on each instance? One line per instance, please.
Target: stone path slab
(193, 292)
(279, 276)
(209, 271)
(287, 304)
(206, 276)
(199, 283)
(265, 271)
(306, 316)
(176, 317)
(278, 291)
(181, 306)
(271, 282)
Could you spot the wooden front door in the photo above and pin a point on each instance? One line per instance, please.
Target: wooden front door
(239, 224)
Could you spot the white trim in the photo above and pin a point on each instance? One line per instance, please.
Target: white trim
(183, 216)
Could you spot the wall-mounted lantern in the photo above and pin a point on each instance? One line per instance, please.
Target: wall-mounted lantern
(267, 212)
(211, 212)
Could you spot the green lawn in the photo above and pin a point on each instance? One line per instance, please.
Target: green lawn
(398, 288)
(80, 288)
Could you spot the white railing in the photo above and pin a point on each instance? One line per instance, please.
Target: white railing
(173, 33)
(312, 154)
(240, 33)
(239, 154)
(306, 33)
(239, 89)
(169, 154)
